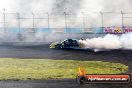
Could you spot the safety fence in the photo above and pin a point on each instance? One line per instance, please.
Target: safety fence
(97, 22)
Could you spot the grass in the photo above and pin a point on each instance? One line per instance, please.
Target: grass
(31, 69)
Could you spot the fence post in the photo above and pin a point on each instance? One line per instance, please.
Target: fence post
(48, 19)
(83, 22)
(122, 14)
(65, 20)
(102, 19)
(4, 23)
(18, 18)
(33, 25)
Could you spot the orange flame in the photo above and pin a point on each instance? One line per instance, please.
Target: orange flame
(81, 71)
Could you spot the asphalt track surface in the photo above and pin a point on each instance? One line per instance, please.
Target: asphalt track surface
(43, 52)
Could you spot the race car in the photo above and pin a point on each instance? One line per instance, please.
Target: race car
(66, 44)
(74, 45)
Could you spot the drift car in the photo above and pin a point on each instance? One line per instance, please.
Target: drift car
(66, 44)
(73, 44)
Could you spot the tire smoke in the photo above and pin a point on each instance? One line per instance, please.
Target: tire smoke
(109, 41)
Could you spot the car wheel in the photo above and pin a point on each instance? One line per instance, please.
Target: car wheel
(58, 46)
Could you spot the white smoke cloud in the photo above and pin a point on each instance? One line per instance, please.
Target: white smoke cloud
(126, 41)
(109, 41)
(60, 5)
(73, 6)
(92, 5)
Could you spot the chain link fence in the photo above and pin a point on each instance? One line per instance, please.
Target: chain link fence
(63, 23)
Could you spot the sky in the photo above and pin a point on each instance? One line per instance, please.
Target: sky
(61, 5)
(71, 6)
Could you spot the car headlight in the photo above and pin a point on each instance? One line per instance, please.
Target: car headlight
(53, 45)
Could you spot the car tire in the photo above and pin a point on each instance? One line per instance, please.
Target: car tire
(58, 46)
